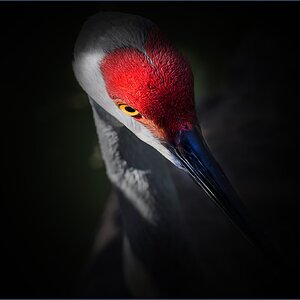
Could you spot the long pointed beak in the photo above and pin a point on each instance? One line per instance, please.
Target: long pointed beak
(196, 159)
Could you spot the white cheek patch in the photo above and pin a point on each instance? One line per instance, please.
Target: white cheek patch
(87, 71)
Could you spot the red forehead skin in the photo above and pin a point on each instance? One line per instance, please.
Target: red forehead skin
(160, 88)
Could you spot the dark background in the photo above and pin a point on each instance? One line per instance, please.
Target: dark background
(53, 181)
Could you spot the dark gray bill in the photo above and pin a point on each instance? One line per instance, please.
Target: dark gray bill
(196, 158)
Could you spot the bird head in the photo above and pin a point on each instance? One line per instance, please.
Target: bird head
(153, 86)
(129, 68)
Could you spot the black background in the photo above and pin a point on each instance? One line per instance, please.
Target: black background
(51, 192)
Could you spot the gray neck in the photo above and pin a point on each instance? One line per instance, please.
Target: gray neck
(139, 172)
(150, 208)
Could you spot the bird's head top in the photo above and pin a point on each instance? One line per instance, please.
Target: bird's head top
(154, 85)
(126, 65)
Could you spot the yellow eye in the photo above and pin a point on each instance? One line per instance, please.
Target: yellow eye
(128, 110)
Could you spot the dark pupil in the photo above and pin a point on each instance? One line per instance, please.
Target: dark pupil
(129, 109)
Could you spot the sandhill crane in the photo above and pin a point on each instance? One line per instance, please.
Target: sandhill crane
(141, 91)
